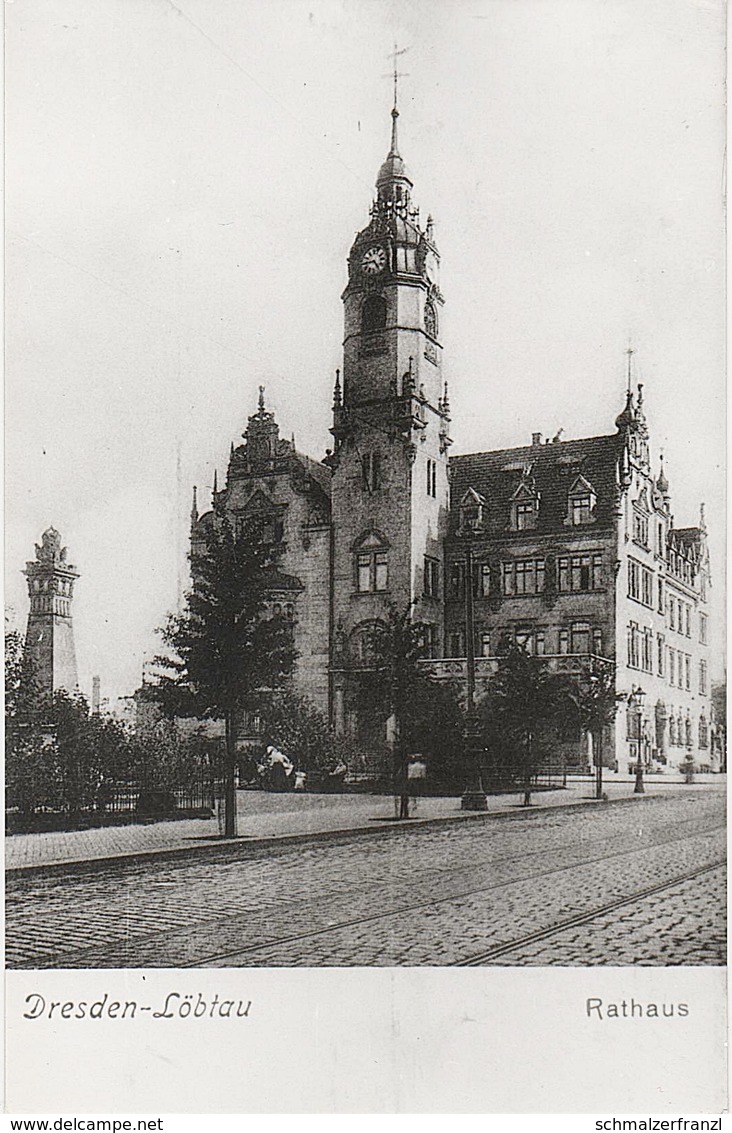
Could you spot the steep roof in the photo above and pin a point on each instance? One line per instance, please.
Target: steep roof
(321, 474)
(549, 469)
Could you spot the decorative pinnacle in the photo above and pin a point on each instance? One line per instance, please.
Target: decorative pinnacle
(216, 482)
(194, 506)
(337, 391)
(261, 399)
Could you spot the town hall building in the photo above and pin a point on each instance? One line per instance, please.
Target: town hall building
(572, 547)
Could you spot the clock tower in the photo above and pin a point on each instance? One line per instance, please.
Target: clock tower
(391, 430)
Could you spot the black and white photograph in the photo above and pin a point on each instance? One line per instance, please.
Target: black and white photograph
(365, 496)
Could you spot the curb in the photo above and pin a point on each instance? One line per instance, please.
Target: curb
(229, 848)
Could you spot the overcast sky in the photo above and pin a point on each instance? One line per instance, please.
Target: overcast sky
(184, 183)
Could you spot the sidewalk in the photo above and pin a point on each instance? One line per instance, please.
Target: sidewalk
(262, 815)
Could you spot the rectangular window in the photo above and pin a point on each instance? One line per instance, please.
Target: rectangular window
(597, 572)
(640, 529)
(380, 571)
(661, 606)
(457, 580)
(485, 644)
(540, 639)
(525, 514)
(672, 666)
(597, 642)
(647, 587)
(687, 620)
(431, 578)
(580, 637)
(564, 641)
(524, 576)
(364, 573)
(581, 509)
(580, 577)
(661, 653)
(371, 471)
(687, 671)
(703, 628)
(671, 612)
(647, 651)
(633, 579)
(432, 478)
(703, 678)
(564, 575)
(633, 652)
(484, 580)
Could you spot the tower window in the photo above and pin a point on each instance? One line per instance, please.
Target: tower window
(432, 478)
(430, 319)
(431, 578)
(373, 314)
(371, 471)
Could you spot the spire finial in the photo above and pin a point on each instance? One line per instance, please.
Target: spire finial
(702, 520)
(194, 506)
(630, 352)
(396, 75)
(261, 399)
(337, 391)
(216, 482)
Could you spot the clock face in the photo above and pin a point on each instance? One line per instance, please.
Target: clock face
(374, 260)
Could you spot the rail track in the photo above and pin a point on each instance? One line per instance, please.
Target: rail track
(229, 957)
(590, 851)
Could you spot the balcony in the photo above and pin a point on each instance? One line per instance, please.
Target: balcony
(456, 668)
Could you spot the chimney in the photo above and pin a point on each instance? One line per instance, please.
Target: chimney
(96, 699)
(535, 439)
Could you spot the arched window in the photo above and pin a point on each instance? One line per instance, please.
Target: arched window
(371, 565)
(430, 319)
(373, 314)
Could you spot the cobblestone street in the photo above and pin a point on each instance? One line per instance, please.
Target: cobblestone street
(429, 895)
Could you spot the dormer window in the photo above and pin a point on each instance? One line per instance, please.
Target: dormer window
(524, 509)
(472, 507)
(581, 503)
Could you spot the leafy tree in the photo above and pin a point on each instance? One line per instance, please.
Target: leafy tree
(224, 650)
(294, 724)
(522, 701)
(592, 699)
(397, 686)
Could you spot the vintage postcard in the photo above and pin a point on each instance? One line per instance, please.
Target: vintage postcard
(365, 556)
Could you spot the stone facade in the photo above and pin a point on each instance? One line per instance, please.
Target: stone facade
(49, 639)
(572, 546)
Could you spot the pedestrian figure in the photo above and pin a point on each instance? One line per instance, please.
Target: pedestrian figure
(416, 776)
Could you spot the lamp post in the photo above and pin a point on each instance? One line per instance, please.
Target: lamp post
(637, 697)
(473, 798)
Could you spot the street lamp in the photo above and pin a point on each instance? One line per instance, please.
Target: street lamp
(473, 798)
(637, 697)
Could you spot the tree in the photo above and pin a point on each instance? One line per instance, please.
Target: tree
(593, 700)
(224, 649)
(523, 698)
(396, 685)
(294, 724)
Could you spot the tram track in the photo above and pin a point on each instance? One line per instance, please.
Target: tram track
(213, 959)
(179, 946)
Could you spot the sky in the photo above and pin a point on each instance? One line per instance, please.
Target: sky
(184, 181)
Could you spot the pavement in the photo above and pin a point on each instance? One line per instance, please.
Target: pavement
(264, 816)
(638, 882)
